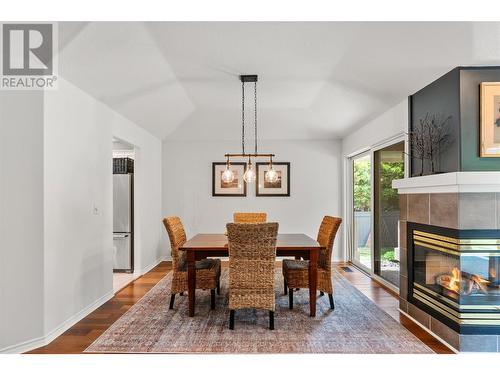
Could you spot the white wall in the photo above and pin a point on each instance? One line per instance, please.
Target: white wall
(315, 186)
(78, 178)
(21, 217)
(389, 124)
(56, 251)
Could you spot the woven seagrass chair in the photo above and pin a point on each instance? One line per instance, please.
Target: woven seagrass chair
(207, 270)
(249, 217)
(252, 256)
(296, 272)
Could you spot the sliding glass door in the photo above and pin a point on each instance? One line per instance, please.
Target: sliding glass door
(374, 211)
(361, 211)
(388, 165)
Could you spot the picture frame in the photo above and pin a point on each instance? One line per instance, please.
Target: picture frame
(490, 120)
(237, 188)
(281, 188)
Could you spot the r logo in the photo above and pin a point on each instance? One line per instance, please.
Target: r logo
(27, 49)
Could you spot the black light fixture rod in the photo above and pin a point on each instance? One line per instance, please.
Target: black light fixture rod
(242, 116)
(248, 155)
(248, 78)
(255, 113)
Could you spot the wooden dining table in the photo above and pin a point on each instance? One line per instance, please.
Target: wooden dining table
(204, 246)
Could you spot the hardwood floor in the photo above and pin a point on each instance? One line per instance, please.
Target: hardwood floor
(82, 334)
(388, 301)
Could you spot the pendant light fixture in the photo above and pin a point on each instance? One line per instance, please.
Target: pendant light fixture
(228, 175)
(271, 175)
(250, 174)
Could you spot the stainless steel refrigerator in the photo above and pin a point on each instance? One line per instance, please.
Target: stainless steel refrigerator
(123, 222)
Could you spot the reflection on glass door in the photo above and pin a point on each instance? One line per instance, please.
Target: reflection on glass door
(361, 225)
(388, 165)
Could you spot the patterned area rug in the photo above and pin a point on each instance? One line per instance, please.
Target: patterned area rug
(356, 325)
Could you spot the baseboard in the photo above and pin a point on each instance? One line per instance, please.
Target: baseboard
(59, 330)
(429, 332)
(148, 268)
(56, 332)
(23, 347)
(139, 273)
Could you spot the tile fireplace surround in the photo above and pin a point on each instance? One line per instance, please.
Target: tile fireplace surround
(450, 257)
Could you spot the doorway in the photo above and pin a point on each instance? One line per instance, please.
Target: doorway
(388, 165)
(123, 214)
(373, 210)
(361, 254)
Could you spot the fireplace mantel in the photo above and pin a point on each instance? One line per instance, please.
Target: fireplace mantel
(455, 182)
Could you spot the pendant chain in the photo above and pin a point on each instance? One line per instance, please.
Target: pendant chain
(243, 117)
(255, 113)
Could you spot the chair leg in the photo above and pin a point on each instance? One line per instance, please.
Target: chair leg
(285, 287)
(172, 299)
(290, 298)
(231, 319)
(321, 293)
(332, 305)
(271, 320)
(212, 299)
(218, 287)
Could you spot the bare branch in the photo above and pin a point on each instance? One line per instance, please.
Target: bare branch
(429, 138)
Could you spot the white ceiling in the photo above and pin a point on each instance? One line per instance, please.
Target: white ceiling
(317, 80)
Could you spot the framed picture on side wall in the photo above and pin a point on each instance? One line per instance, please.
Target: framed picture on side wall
(490, 120)
(278, 188)
(236, 188)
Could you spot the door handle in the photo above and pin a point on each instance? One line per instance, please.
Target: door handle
(120, 235)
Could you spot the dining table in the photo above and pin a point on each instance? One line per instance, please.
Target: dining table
(296, 245)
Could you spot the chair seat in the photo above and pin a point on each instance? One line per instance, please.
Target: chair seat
(295, 265)
(207, 276)
(204, 264)
(296, 275)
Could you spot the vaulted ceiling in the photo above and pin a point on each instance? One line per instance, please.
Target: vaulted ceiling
(317, 80)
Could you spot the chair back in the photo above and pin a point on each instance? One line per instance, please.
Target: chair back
(177, 235)
(326, 236)
(252, 257)
(249, 217)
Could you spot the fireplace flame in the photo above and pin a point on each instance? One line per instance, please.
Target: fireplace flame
(462, 284)
(454, 281)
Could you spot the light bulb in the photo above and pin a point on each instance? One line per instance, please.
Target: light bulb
(249, 175)
(271, 176)
(227, 176)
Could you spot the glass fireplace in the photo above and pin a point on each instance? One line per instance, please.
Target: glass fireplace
(455, 276)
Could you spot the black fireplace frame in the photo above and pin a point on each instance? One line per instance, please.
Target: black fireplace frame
(469, 329)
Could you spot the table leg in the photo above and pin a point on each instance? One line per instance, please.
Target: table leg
(313, 281)
(191, 268)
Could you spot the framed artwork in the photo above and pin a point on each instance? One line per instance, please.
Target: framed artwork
(235, 188)
(280, 188)
(490, 120)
